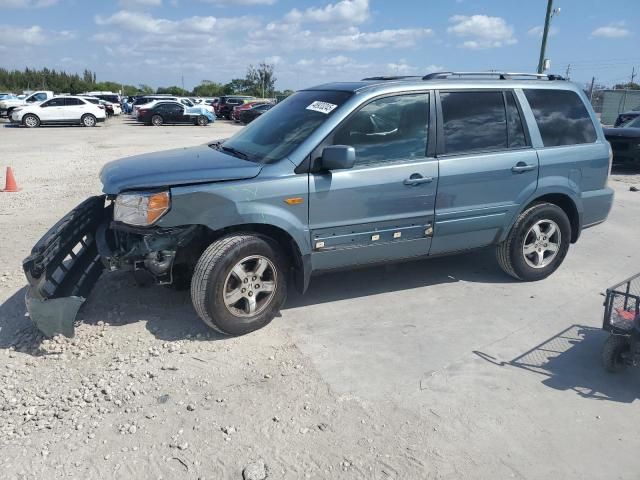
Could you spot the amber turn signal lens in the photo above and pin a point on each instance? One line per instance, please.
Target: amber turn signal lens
(158, 206)
(294, 201)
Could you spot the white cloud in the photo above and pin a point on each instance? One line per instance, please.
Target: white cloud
(144, 23)
(482, 31)
(344, 11)
(27, 3)
(305, 62)
(357, 40)
(31, 36)
(337, 60)
(241, 2)
(106, 37)
(274, 60)
(613, 30)
(538, 30)
(140, 3)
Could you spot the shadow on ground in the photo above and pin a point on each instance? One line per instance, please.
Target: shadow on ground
(169, 315)
(570, 360)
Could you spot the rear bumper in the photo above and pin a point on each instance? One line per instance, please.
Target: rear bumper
(100, 120)
(596, 206)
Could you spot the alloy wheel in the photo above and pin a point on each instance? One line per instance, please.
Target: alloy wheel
(542, 243)
(250, 286)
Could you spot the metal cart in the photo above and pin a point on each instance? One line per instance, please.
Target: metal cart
(622, 321)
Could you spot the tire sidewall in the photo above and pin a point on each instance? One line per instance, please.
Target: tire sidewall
(24, 121)
(544, 211)
(84, 120)
(214, 300)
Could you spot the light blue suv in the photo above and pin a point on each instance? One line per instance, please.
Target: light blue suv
(338, 176)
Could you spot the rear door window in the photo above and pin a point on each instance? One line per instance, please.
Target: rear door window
(73, 102)
(561, 116)
(473, 121)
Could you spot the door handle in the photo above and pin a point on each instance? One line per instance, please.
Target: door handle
(522, 167)
(417, 179)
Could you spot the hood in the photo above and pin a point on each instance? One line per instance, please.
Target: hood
(622, 132)
(181, 166)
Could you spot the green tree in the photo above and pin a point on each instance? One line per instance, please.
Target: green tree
(208, 88)
(627, 86)
(261, 80)
(177, 91)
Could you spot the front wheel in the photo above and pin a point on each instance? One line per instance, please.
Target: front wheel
(88, 120)
(537, 244)
(202, 121)
(239, 284)
(156, 120)
(613, 353)
(31, 121)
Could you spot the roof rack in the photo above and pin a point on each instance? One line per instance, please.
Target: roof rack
(391, 77)
(500, 75)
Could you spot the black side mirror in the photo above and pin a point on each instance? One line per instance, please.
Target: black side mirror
(338, 157)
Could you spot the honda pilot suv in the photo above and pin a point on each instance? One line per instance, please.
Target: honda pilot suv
(338, 176)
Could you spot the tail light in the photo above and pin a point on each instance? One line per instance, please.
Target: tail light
(101, 107)
(610, 162)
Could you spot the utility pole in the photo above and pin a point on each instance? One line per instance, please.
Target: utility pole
(566, 75)
(633, 74)
(593, 81)
(543, 47)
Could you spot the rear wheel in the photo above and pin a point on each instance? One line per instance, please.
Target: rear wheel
(239, 284)
(88, 120)
(156, 120)
(537, 243)
(613, 353)
(31, 121)
(202, 121)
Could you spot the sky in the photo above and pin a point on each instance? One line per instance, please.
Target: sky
(182, 42)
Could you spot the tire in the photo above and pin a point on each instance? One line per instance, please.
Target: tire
(553, 246)
(30, 121)
(157, 120)
(214, 275)
(202, 121)
(88, 120)
(612, 351)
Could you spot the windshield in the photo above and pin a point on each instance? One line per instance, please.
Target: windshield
(635, 123)
(278, 132)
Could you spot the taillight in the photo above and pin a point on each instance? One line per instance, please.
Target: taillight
(101, 106)
(610, 161)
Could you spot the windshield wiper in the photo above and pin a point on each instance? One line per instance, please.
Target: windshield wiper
(235, 152)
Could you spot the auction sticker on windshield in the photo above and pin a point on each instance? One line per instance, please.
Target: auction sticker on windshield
(322, 107)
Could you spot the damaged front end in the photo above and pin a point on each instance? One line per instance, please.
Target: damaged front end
(66, 263)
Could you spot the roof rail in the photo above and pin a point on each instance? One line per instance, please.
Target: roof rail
(500, 75)
(390, 77)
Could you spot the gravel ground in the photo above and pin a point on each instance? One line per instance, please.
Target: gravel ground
(145, 390)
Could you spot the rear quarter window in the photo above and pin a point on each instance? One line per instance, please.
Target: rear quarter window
(561, 116)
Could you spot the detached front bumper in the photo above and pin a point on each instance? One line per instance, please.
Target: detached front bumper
(66, 263)
(63, 268)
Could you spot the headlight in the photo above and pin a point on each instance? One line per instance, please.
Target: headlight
(141, 209)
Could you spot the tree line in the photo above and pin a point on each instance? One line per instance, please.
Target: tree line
(259, 81)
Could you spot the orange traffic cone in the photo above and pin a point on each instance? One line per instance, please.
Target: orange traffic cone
(11, 185)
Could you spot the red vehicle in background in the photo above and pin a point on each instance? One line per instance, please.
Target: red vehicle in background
(235, 113)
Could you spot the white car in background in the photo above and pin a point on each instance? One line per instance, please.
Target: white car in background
(60, 110)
